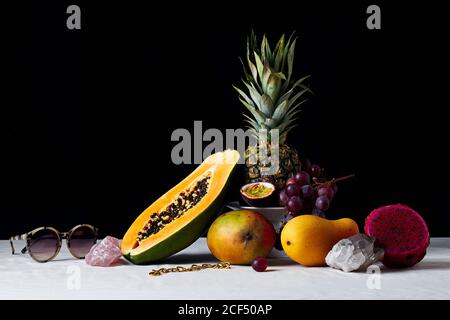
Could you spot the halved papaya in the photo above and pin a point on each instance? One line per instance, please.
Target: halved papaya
(177, 218)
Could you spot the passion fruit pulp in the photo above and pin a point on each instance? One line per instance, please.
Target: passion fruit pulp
(258, 194)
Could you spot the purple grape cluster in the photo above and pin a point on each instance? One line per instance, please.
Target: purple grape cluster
(303, 194)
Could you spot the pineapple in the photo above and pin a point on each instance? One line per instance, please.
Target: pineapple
(273, 99)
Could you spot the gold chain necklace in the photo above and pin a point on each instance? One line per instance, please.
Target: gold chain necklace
(194, 267)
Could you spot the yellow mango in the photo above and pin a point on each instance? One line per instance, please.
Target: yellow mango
(307, 239)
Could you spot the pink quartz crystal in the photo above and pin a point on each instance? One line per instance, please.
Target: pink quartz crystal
(105, 253)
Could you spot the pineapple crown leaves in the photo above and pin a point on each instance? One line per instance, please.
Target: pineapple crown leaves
(271, 95)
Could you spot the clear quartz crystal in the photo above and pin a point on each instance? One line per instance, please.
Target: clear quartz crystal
(355, 253)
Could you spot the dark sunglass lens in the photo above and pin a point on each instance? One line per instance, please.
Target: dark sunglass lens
(81, 241)
(44, 244)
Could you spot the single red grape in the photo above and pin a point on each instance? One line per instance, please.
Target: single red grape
(295, 204)
(259, 264)
(282, 198)
(291, 180)
(302, 178)
(293, 190)
(307, 191)
(326, 191)
(322, 203)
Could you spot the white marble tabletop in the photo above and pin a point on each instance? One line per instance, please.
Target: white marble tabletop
(69, 278)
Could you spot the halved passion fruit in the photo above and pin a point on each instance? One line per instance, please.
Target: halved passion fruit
(258, 194)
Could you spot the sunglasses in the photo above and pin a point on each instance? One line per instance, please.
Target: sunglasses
(43, 244)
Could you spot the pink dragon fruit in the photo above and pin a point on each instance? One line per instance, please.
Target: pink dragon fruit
(401, 232)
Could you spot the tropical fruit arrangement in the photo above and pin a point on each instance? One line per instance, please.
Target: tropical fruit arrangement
(396, 235)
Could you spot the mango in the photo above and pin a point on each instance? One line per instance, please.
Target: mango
(307, 239)
(238, 237)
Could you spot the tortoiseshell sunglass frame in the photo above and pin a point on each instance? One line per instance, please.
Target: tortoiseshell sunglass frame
(61, 235)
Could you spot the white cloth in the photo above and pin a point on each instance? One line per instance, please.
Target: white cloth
(69, 278)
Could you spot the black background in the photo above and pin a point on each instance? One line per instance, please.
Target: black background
(87, 115)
